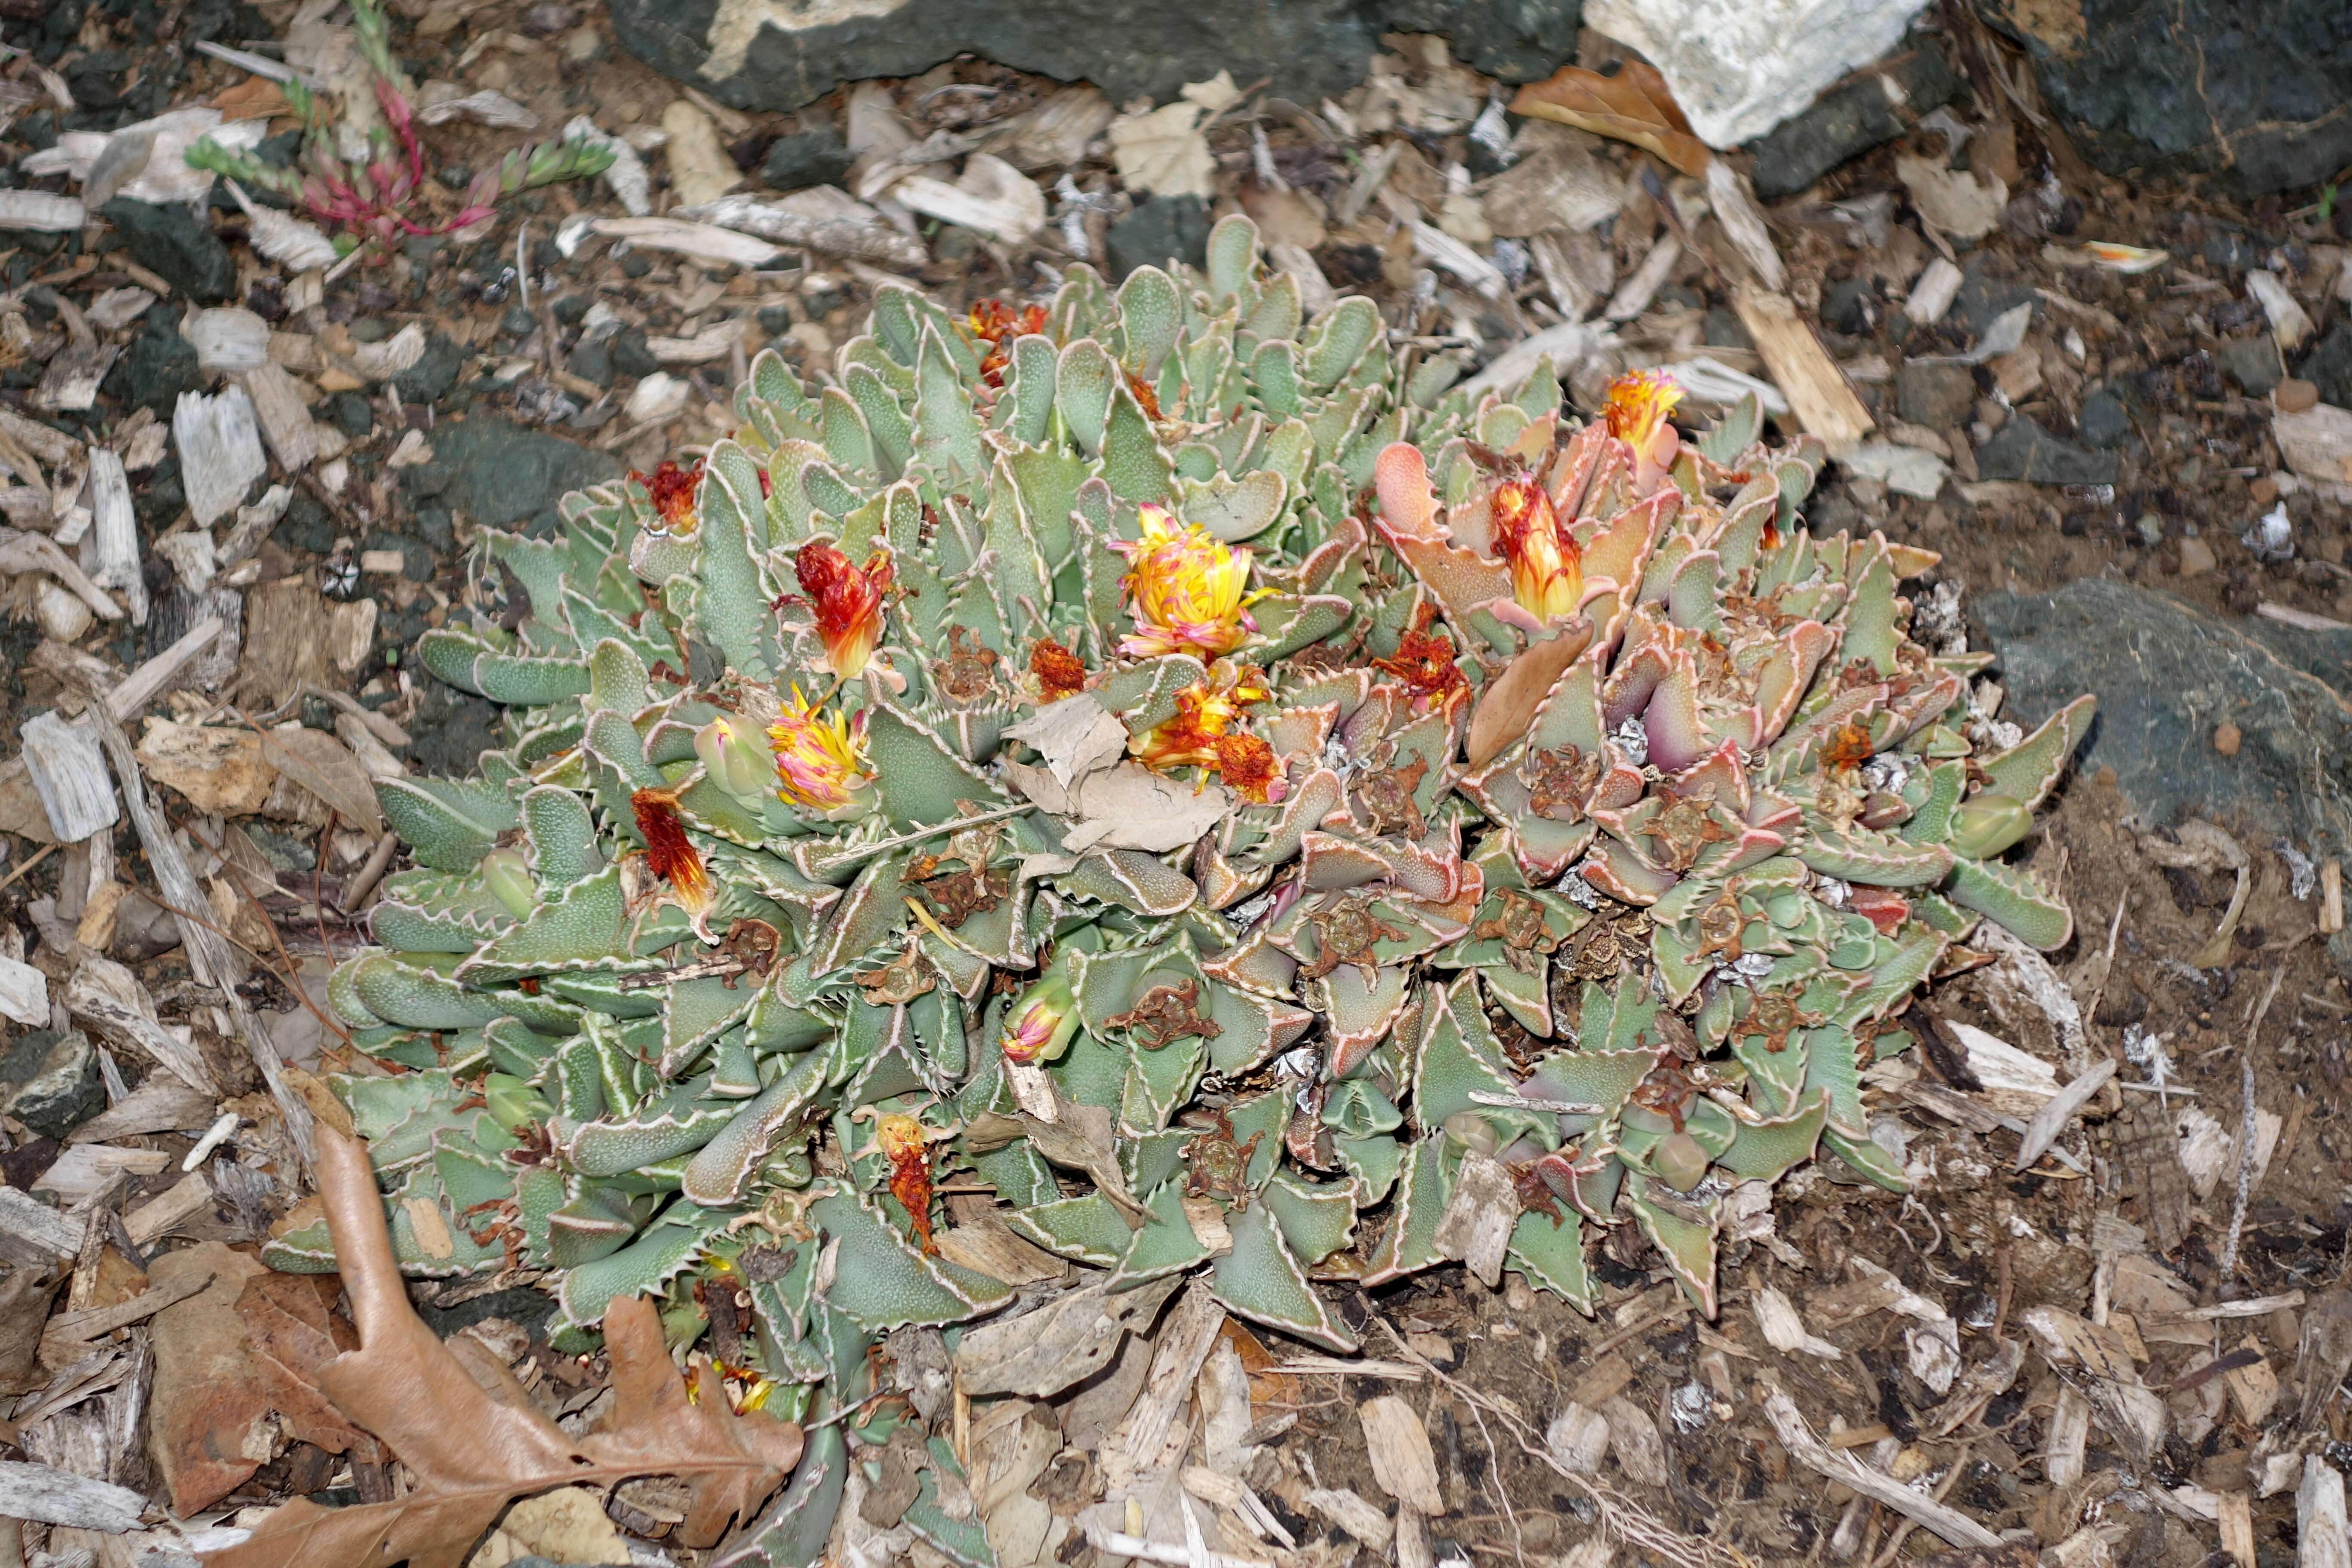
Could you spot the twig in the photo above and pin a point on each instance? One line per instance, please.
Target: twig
(362, 884)
(1789, 1425)
(1902, 1532)
(2247, 1129)
(317, 900)
(42, 854)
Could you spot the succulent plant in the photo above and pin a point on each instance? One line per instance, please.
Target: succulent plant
(1194, 773)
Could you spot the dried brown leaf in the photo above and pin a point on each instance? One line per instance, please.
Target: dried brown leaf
(1509, 705)
(254, 98)
(1635, 105)
(291, 1330)
(471, 1454)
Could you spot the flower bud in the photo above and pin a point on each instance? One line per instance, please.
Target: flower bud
(731, 760)
(510, 881)
(1680, 1162)
(1468, 1130)
(1041, 1023)
(1989, 824)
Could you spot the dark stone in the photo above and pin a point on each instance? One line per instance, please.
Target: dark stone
(572, 308)
(54, 1082)
(593, 362)
(518, 321)
(2253, 90)
(2165, 674)
(1851, 121)
(431, 377)
(355, 414)
(177, 245)
(2330, 366)
(1158, 229)
(1723, 329)
(810, 158)
(158, 366)
(636, 264)
(1983, 298)
(630, 354)
(1309, 49)
(282, 850)
(2253, 363)
(2235, 251)
(1851, 306)
(417, 561)
(307, 525)
(1934, 396)
(2021, 449)
(453, 728)
(503, 476)
(2102, 423)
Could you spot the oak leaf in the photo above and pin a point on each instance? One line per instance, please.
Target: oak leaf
(473, 1450)
(1635, 105)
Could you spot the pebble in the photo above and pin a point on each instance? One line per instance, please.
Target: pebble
(2226, 739)
(2196, 558)
(2295, 395)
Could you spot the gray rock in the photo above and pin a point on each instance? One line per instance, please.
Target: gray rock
(2104, 422)
(177, 243)
(53, 1081)
(593, 362)
(2021, 449)
(796, 54)
(1157, 229)
(1937, 397)
(431, 377)
(503, 476)
(353, 413)
(2253, 363)
(2330, 366)
(810, 158)
(1848, 121)
(2252, 89)
(2165, 676)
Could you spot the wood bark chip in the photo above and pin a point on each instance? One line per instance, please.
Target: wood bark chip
(1789, 1425)
(48, 1496)
(2321, 1539)
(1803, 370)
(1068, 1340)
(471, 1450)
(1402, 1461)
(2149, 1152)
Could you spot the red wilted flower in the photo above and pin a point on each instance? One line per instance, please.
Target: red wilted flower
(1547, 567)
(1423, 660)
(905, 1144)
(1247, 765)
(1144, 396)
(996, 324)
(672, 490)
(1059, 672)
(667, 850)
(847, 600)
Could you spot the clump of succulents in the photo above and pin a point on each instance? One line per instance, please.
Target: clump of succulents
(376, 202)
(1189, 772)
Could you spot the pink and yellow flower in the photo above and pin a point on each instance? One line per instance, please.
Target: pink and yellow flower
(1547, 567)
(1637, 413)
(1187, 592)
(820, 757)
(1041, 1022)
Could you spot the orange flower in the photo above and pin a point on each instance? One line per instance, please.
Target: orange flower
(1546, 568)
(668, 850)
(1059, 671)
(1204, 735)
(996, 324)
(1637, 413)
(672, 490)
(847, 600)
(1249, 767)
(1187, 590)
(1423, 661)
(902, 1141)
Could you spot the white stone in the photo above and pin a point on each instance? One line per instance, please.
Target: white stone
(1738, 68)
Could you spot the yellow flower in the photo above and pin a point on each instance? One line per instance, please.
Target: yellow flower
(820, 757)
(1546, 568)
(1187, 592)
(1638, 405)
